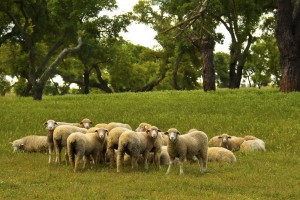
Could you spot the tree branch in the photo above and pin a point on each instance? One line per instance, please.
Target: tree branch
(58, 60)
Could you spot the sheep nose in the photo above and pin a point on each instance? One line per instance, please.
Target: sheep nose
(154, 134)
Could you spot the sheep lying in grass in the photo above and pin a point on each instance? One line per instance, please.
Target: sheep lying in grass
(229, 142)
(113, 141)
(186, 146)
(89, 144)
(60, 135)
(253, 145)
(220, 154)
(136, 143)
(31, 143)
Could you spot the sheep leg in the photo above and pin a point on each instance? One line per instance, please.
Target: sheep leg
(78, 159)
(50, 148)
(58, 154)
(96, 158)
(111, 155)
(180, 167)
(120, 159)
(202, 160)
(170, 166)
(157, 159)
(146, 155)
(134, 162)
(67, 157)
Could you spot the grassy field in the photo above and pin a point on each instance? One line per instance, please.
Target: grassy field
(267, 114)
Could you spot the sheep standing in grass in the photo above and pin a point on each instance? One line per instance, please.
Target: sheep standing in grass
(253, 145)
(50, 126)
(60, 135)
(85, 145)
(31, 143)
(220, 154)
(113, 141)
(186, 146)
(136, 143)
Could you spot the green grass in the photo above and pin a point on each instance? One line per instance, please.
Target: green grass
(267, 114)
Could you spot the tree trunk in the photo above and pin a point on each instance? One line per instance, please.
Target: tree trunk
(38, 91)
(102, 83)
(27, 89)
(86, 80)
(175, 72)
(287, 34)
(207, 45)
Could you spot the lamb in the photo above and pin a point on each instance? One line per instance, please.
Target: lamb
(113, 141)
(231, 143)
(89, 144)
(220, 154)
(186, 146)
(31, 143)
(253, 145)
(136, 143)
(60, 135)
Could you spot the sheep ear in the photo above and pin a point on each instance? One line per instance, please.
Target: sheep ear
(178, 133)
(148, 130)
(158, 130)
(166, 133)
(229, 137)
(80, 123)
(220, 137)
(91, 122)
(45, 123)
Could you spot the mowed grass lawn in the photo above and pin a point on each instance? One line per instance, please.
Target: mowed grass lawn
(267, 114)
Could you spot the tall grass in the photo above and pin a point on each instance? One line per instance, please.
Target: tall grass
(267, 114)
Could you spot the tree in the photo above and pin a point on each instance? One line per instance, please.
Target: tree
(288, 39)
(59, 25)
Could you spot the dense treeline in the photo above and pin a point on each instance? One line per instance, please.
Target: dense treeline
(78, 41)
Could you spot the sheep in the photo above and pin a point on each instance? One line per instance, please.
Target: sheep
(50, 126)
(112, 125)
(214, 142)
(113, 141)
(253, 145)
(136, 143)
(220, 154)
(143, 127)
(231, 143)
(186, 146)
(60, 135)
(31, 143)
(85, 123)
(89, 144)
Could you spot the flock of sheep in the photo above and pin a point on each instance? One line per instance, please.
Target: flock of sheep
(118, 144)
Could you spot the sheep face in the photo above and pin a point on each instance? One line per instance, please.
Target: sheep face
(172, 134)
(86, 123)
(153, 132)
(50, 125)
(102, 133)
(17, 145)
(225, 138)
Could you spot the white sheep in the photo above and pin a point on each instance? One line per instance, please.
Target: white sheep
(89, 144)
(220, 154)
(113, 141)
(50, 126)
(229, 142)
(186, 146)
(60, 135)
(101, 125)
(214, 141)
(253, 145)
(136, 143)
(31, 143)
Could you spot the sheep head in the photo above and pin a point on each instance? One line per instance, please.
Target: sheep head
(50, 124)
(86, 123)
(172, 134)
(102, 133)
(143, 127)
(153, 131)
(225, 138)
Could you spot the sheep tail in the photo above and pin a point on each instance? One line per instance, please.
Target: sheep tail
(72, 152)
